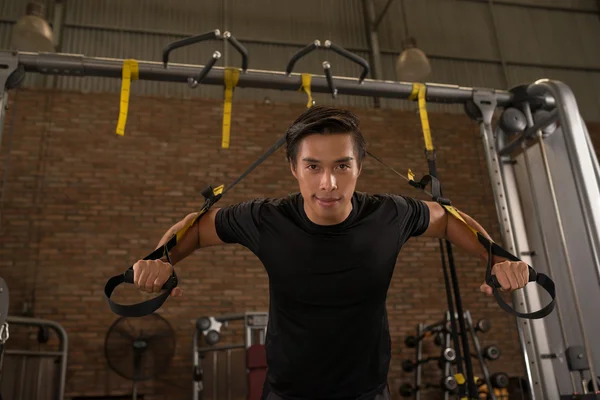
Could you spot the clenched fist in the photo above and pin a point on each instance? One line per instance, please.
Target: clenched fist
(150, 275)
(511, 275)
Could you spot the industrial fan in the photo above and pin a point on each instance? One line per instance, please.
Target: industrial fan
(139, 349)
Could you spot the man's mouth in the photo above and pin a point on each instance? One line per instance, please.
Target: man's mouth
(327, 201)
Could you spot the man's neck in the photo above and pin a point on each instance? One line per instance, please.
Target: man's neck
(329, 221)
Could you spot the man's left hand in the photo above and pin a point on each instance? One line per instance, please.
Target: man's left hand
(511, 275)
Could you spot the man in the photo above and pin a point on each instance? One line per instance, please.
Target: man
(330, 253)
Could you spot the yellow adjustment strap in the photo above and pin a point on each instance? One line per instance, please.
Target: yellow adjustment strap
(454, 212)
(232, 76)
(217, 191)
(130, 72)
(306, 80)
(423, 113)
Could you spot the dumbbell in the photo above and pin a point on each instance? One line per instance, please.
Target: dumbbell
(412, 341)
(448, 355)
(491, 353)
(499, 380)
(483, 325)
(447, 383)
(210, 328)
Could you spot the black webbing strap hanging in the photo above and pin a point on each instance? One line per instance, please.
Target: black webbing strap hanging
(451, 284)
(495, 249)
(211, 197)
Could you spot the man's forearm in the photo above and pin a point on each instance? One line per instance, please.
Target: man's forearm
(462, 237)
(186, 245)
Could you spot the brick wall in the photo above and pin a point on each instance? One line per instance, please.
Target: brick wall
(81, 204)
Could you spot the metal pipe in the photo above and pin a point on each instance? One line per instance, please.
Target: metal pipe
(373, 40)
(498, 43)
(80, 65)
(538, 6)
(219, 348)
(196, 386)
(379, 18)
(33, 353)
(419, 350)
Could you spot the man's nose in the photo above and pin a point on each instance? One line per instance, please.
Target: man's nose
(328, 182)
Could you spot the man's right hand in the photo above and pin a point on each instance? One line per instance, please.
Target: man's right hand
(150, 275)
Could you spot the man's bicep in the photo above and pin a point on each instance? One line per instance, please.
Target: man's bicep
(207, 230)
(438, 220)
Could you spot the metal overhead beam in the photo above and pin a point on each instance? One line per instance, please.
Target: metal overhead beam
(80, 66)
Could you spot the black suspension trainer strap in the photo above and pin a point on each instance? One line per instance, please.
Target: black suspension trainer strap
(211, 196)
(452, 292)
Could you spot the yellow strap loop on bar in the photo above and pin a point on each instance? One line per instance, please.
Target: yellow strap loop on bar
(422, 90)
(306, 80)
(130, 72)
(232, 76)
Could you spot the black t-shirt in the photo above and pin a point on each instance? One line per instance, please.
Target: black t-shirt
(328, 335)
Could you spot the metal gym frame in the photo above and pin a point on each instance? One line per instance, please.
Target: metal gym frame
(542, 168)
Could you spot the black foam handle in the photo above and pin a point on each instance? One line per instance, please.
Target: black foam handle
(186, 42)
(352, 57)
(242, 50)
(532, 278)
(207, 67)
(301, 53)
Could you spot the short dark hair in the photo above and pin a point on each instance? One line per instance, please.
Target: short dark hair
(324, 120)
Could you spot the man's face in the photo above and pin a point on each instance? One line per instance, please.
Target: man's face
(327, 171)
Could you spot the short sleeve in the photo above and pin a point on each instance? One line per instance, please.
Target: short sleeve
(413, 215)
(239, 223)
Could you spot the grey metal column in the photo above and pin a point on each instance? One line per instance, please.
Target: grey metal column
(513, 233)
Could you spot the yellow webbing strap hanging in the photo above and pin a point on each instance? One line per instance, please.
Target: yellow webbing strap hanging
(216, 191)
(232, 76)
(306, 80)
(130, 72)
(420, 91)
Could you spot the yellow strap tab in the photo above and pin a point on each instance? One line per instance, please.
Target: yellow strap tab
(232, 76)
(424, 118)
(306, 80)
(460, 379)
(411, 175)
(130, 72)
(217, 191)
